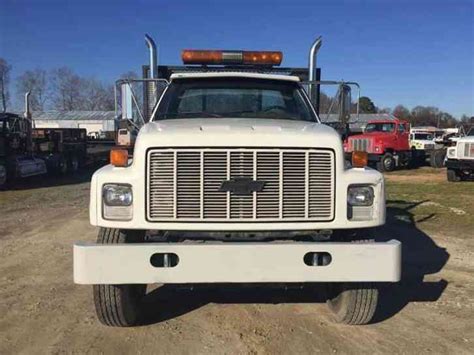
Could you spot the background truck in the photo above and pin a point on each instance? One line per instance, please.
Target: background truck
(460, 158)
(386, 143)
(26, 151)
(422, 140)
(236, 180)
(16, 151)
(444, 138)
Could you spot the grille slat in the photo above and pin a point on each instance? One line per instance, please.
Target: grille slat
(468, 151)
(361, 144)
(183, 185)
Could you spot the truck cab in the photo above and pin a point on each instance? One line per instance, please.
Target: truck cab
(460, 158)
(236, 180)
(421, 140)
(385, 141)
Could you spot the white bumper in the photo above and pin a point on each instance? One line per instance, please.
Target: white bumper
(236, 263)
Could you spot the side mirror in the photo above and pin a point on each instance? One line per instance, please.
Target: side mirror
(136, 98)
(345, 103)
(126, 96)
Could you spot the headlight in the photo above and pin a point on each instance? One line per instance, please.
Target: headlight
(117, 195)
(117, 202)
(451, 152)
(360, 196)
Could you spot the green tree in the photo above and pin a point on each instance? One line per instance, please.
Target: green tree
(366, 105)
(402, 113)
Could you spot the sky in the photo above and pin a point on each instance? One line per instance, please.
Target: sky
(401, 52)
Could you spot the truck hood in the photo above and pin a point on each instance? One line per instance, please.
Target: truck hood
(237, 132)
(466, 139)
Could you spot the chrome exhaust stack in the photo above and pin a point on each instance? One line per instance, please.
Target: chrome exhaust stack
(313, 89)
(153, 57)
(29, 122)
(27, 113)
(150, 87)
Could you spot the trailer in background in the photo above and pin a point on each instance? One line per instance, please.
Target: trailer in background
(27, 151)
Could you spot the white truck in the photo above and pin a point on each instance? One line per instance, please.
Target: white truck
(460, 158)
(421, 139)
(236, 180)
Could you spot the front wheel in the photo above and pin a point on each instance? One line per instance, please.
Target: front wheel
(453, 175)
(353, 303)
(386, 163)
(118, 305)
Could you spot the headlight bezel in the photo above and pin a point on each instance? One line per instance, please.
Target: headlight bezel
(367, 191)
(451, 152)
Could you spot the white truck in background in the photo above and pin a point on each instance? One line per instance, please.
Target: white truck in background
(236, 180)
(460, 158)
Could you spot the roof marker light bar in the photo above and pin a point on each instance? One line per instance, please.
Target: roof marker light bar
(216, 57)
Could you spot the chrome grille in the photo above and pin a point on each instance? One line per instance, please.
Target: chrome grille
(183, 185)
(468, 151)
(361, 144)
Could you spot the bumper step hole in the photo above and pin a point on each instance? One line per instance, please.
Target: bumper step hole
(164, 260)
(320, 258)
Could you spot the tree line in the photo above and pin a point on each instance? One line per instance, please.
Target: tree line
(59, 89)
(64, 90)
(417, 116)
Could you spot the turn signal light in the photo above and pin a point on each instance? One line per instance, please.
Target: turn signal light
(359, 159)
(204, 57)
(119, 157)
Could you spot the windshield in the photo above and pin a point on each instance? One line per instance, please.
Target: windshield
(471, 132)
(423, 136)
(234, 98)
(380, 127)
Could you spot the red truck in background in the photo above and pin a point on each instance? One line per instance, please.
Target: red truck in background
(387, 143)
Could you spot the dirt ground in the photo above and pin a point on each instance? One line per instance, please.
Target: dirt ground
(430, 311)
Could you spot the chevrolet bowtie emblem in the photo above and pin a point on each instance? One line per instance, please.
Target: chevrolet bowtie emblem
(242, 186)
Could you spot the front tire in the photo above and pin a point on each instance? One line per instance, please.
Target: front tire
(353, 303)
(453, 176)
(118, 305)
(386, 163)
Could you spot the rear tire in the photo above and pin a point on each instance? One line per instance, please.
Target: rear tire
(74, 164)
(453, 176)
(3, 178)
(63, 167)
(118, 305)
(437, 158)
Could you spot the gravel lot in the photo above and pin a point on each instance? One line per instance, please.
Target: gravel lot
(431, 310)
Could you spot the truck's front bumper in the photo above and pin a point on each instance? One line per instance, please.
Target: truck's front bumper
(460, 164)
(236, 262)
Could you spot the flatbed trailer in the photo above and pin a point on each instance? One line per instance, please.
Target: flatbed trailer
(66, 150)
(27, 152)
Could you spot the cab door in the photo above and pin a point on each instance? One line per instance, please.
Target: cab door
(403, 136)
